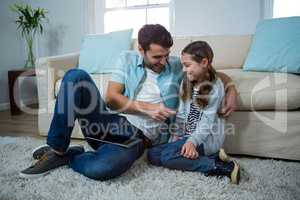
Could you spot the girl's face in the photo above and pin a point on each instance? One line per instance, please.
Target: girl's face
(195, 71)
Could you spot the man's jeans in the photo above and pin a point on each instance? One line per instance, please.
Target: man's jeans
(80, 99)
(168, 155)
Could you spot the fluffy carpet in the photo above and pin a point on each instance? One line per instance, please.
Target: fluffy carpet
(261, 179)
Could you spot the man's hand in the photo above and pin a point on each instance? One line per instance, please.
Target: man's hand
(157, 111)
(188, 150)
(230, 102)
(117, 101)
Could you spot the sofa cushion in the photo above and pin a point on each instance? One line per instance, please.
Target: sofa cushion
(275, 46)
(99, 52)
(257, 90)
(266, 90)
(229, 51)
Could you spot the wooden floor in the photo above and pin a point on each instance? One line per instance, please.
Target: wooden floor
(23, 125)
(18, 125)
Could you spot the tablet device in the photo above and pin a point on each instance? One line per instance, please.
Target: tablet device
(122, 141)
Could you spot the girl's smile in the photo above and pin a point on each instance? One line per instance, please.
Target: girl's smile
(196, 72)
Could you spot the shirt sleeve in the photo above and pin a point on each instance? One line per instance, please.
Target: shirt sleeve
(118, 73)
(178, 124)
(208, 115)
(180, 120)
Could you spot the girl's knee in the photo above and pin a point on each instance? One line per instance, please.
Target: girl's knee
(153, 156)
(170, 154)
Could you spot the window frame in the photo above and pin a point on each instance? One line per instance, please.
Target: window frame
(137, 7)
(289, 14)
(268, 9)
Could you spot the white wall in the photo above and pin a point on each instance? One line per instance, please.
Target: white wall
(63, 34)
(216, 17)
(67, 25)
(11, 56)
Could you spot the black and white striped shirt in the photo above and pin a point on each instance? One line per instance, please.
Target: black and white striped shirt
(194, 115)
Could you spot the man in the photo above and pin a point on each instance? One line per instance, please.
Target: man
(144, 88)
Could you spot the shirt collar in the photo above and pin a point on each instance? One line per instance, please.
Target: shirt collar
(140, 61)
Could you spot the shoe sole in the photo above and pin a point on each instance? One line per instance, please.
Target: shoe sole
(235, 174)
(33, 176)
(223, 156)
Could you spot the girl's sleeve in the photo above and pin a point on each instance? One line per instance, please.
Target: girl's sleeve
(208, 115)
(178, 128)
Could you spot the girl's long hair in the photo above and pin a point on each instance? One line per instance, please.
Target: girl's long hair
(199, 50)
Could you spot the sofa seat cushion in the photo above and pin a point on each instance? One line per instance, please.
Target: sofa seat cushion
(257, 90)
(266, 90)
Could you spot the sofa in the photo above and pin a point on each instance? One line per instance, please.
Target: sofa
(265, 124)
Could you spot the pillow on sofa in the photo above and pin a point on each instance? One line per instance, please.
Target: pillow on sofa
(99, 53)
(275, 46)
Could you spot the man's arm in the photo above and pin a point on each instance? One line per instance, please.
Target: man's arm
(117, 101)
(230, 95)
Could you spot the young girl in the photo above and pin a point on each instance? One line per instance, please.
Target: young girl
(196, 143)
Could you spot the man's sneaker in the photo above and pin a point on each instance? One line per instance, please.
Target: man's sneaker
(38, 152)
(223, 156)
(235, 174)
(49, 161)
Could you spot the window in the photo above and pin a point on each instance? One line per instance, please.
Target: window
(286, 8)
(124, 14)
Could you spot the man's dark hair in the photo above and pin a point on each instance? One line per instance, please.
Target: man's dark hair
(154, 34)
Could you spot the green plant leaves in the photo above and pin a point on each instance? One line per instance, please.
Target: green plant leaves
(29, 20)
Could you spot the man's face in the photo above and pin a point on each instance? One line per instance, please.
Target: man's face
(156, 57)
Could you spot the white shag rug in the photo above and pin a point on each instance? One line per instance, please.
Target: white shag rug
(261, 179)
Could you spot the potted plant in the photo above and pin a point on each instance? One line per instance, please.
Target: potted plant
(29, 22)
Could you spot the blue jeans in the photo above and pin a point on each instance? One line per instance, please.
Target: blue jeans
(168, 155)
(80, 99)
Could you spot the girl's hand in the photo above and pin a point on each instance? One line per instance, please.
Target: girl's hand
(188, 150)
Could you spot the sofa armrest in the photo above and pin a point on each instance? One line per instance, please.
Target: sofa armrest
(49, 70)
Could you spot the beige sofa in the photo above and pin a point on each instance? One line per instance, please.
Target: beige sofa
(266, 123)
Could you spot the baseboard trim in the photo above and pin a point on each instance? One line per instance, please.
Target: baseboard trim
(6, 105)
